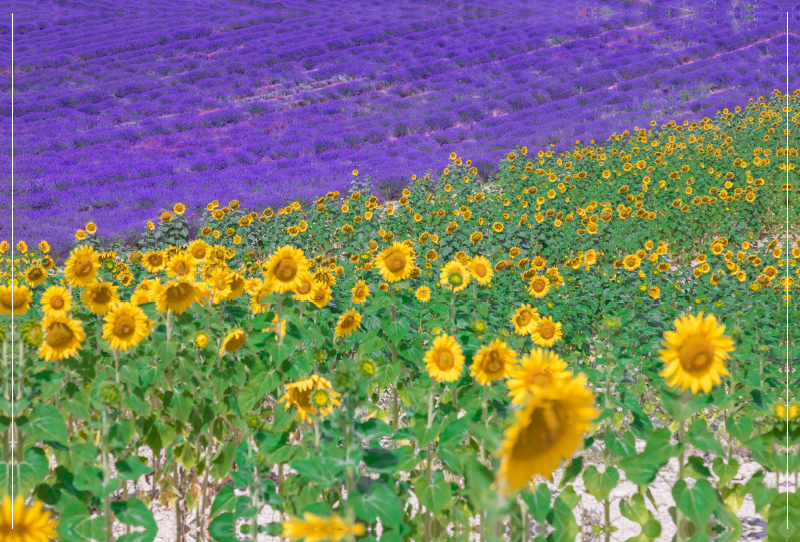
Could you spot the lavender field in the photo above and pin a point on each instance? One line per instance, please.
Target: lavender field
(124, 109)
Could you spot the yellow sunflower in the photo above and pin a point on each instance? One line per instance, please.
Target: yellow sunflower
(423, 293)
(154, 261)
(62, 337)
(360, 292)
(257, 303)
(348, 322)
(525, 319)
(284, 268)
(30, 524)
(492, 362)
(81, 266)
(176, 296)
(199, 250)
(220, 284)
(56, 300)
(538, 286)
(320, 295)
(535, 372)
(16, 304)
(233, 341)
(304, 290)
(454, 276)
(140, 296)
(444, 359)
(695, 352)
(237, 286)
(35, 275)
(548, 429)
(125, 326)
(631, 262)
(395, 263)
(546, 332)
(100, 296)
(314, 528)
(299, 395)
(182, 266)
(481, 270)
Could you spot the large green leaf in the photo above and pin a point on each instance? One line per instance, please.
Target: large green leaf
(135, 513)
(380, 502)
(432, 496)
(76, 525)
(539, 502)
(697, 502)
(700, 437)
(45, 423)
(24, 476)
(600, 484)
(131, 468)
(783, 522)
(563, 521)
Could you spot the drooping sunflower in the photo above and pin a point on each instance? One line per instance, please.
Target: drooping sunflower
(299, 395)
(547, 430)
(546, 332)
(56, 300)
(348, 322)
(654, 292)
(423, 293)
(525, 319)
(181, 266)
(320, 295)
(100, 296)
(81, 266)
(16, 304)
(284, 267)
(444, 359)
(396, 262)
(492, 362)
(454, 276)
(481, 270)
(257, 303)
(360, 292)
(30, 524)
(539, 286)
(237, 286)
(176, 296)
(233, 341)
(125, 326)
(695, 352)
(62, 337)
(219, 284)
(535, 372)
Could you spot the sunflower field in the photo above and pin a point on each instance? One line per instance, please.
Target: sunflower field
(475, 361)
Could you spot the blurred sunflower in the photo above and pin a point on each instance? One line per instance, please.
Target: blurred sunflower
(16, 304)
(220, 284)
(284, 267)
(304, 290)
(257, 303)
(154, 261)
(233, 341)
(299, 394)
(182, 266)
(35, 275)
(360, 292)
(348, 322)
(545, 332)
(454, 276)
(546, 430)
(30, 524)
(423, 294)
(320, 295)
(81, 266)
(444, 359)
(125, 326)
(100, 296)
(492, 362)
(535, 372)
(695, 352)
(176, 296)
(140, 296)
(62, 337)
(525, 319)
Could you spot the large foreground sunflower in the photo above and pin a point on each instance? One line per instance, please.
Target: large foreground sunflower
(284, 268)
(395, 263)
(534, 373)
(695, 353)
(445, 359)
(31, 524)
(81, 266)
(125, 326)
(546, 430)
(16, 304)
(492, 362)
(62, 337)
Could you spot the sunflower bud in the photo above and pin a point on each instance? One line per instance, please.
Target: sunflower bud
(2, 332)
(32, 333)
(764, 349)
(736, 332)
(504, 333)
(253, 422)
(455, 279)
(366, 367)
(344, 379)
(612, 324)
(109, 266)
(479, 326)
(320, 399)
(779, 411)
(201, 339)
(261, 460)
(109, 393)
(320, 355)
(719, 305)
(365, 257)
(794, 411)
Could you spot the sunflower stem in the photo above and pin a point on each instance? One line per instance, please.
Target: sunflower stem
(485, 417)
(107, 499)
(430, 408)
(523, 510)
(116, 364)
(316, 434)
(99, 332)
(681, 468)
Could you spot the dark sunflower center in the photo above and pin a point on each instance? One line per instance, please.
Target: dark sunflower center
(542, 433)
(304, 288)
(57, 302)
(15, 302)
(35, 274)
(493, 362)
(524, 318)
(360, 293)
(445, 360)
(480, 270)
(396, 262)
(547, 331)
(348, 322)
(696, 355)
(124, 326)
(260, 297)
(286, 270)
(181, 269)
(83, 266)
(235, 342)
(179, 292)
(538, 285)
(102, 295)
(58, 335)
(154, 260)
(199, 252)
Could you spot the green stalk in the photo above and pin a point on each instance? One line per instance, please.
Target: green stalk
(395, 398)
(525, 525)
(106, 477)
(606, 458)
(485, 422)
(681, 471)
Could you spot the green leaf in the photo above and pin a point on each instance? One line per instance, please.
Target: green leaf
(320, 471)
(734, 496)
(726, 471)
(696, 469)
(370, 345)
(225, 501)
(600, 484)
(572, 471)
(700, 437)
(569, 497)
(740, 429)
(382, 460)
(640, 469)
(45, 423)
(89, 478)
(381, 502)
(134, 512)
(131, 468)
(563, 521)
(624, 446)
(427, 434)
(223, 528)
(433, 497)
(783, 522)
(697, 502)
(25, 479)
(76, 525)
(373, 428)
(396, 330)
(539, 502)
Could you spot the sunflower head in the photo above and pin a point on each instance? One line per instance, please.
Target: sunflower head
(32, 333)
(395, 263)
(444, 360)
(284, 268)
(492, 362)
(30, 523)
(454, 276)
(348, 322)
(81, 266)
(62, 337)
(125, 326)
(546, 332)
(535, 372)
(233, 341)
(525, 319)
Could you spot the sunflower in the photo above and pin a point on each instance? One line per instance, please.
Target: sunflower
(100, 296)
(497, 227)
(35, 275)
(546, 430)
(454, 276)
(655, 292)
(631, 262)
(314, 528)
(360, 292)
(303, 291)
(284, 268)
(695, 352)
(81, 266)
(539, 286)
(125, 326)
(525, 319)
(199, 250)
(30, 524)
(395, 263)
(154, 261)
(257, 303)
(320, 295)
(492, 362)
(481, 269)
(233, 341)
(56, 301)
(179, 208)
(348, 322)
(16, 304)
(62, 337)
(176, 296)
(299, 395)
(181, 266)
(535, 372)
(444, 360)
(237, 286)
(546, 332)
(423, 294)
(140, 296)
(220, 284)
